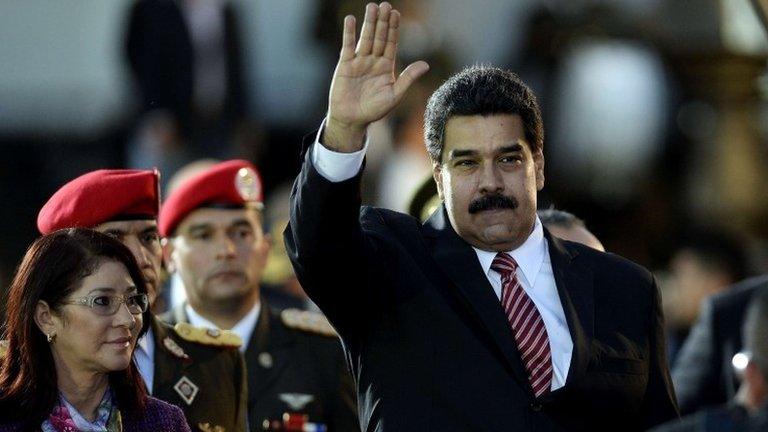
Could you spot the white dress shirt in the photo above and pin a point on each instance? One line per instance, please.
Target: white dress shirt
(535, 274)
(145, 358)
(244, 328)
(534, 266)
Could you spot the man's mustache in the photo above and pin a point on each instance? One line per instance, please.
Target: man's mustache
(492, 202)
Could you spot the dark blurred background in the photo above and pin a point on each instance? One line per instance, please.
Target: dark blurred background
(655, 110)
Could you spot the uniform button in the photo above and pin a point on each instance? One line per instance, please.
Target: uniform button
(536, 407)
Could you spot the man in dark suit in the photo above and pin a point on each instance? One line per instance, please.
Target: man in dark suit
(203, 374)
(477, 319)
(703, 374)
(297, 376)
(748, 410)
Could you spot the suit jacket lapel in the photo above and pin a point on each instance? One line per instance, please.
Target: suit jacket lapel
(576, 290)
(267, 354)
(458, 260)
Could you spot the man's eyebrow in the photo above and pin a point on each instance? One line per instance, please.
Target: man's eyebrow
(453, 154)
(115, 232)
(513, 148)
(151, 229)
(199, 227)
(241, 223)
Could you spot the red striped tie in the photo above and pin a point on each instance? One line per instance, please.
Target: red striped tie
(527, 325)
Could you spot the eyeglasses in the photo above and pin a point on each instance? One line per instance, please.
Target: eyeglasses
(109, 304)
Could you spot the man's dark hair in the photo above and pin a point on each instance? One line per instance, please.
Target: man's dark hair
(481, 90)
(561, 218)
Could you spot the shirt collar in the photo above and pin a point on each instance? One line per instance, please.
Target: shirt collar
(147, 343)
(529, 256)
(244, 328)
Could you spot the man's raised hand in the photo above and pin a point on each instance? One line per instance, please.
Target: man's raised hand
(364, 88)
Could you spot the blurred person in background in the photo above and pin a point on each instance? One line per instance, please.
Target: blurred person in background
(748, 410)
(215, 242)
(567, 226)
(187, 63)
(202, 372)
(707, 261)
(76, 307)
(702, 373)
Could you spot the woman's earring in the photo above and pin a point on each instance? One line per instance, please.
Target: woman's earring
(51, 337)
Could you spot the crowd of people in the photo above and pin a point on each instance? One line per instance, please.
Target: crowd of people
(476, 312)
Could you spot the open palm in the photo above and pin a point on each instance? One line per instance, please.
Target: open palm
(364, 88)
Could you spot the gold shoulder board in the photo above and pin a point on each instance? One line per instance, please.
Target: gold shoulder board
(307, 321)
(208, 336)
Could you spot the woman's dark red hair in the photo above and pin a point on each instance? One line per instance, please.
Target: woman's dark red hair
(52, 268)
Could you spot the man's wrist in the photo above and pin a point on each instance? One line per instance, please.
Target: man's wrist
(342, 137)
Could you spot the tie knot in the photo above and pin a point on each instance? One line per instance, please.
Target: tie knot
(504, 264)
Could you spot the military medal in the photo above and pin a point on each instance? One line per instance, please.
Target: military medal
(175, 349)
(186, 389)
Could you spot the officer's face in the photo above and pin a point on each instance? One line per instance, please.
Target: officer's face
(142, 238)
(88, 341)
(219, 254)
(488, 178)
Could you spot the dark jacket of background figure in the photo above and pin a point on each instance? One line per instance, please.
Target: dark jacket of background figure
(286, 361)
(219, 373)
(703, 374)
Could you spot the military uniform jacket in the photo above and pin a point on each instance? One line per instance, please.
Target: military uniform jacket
(429, 343)
(291, 370)
(207, 382)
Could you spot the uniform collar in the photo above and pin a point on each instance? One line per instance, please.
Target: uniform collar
(244, 328)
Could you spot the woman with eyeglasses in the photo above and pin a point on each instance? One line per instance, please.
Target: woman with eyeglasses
(76, 307)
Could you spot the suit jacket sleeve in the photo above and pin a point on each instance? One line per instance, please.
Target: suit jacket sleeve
(696, 372)
(660, 403)
(335, 259)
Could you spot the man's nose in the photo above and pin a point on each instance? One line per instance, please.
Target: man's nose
(491, 180)
(139, 252)
(226, 247)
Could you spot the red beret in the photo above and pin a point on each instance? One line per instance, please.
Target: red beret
(101, 196)
(235, 182)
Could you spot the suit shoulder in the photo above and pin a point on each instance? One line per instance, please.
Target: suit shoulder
(370, 215)
(309, 323)
(735, 299)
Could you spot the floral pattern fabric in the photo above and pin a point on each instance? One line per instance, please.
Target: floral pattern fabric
(66, 418)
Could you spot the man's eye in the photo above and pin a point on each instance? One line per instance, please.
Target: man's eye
(465, 163)
(243, 233)
(114, 235)
(510, 159)
(202, 235)
(151, 237)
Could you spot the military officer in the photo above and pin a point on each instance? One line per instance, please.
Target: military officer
(200, 371)
(296, 371)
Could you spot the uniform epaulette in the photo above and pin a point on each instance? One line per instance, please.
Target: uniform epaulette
(208, 336)
(307, 321)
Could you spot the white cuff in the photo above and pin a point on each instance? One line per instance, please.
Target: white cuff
(336, 166)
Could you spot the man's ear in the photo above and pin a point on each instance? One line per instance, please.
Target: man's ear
(44, 318)
(538, 163)
(168, 250)
(437, 174)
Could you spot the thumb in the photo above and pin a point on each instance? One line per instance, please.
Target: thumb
(409, 75)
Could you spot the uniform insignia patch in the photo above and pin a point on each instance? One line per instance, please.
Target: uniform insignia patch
(265, 360)
(297, 401)
(247, 184)
(208, 336)
(186, 389)
(307, 321)
(174, 348)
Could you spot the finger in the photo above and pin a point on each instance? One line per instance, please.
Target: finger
(348, 38)
(382, 29)
(408, 76)
(365, 43)
(394, 23)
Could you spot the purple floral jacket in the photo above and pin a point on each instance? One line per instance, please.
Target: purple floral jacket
(159, 416)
